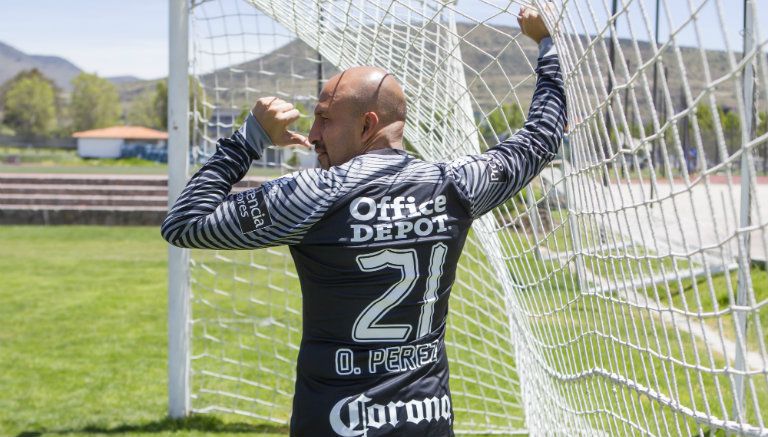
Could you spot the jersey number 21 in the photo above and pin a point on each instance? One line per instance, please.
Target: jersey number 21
(367, 327)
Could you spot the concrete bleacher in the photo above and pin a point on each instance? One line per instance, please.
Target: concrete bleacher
(77, 199)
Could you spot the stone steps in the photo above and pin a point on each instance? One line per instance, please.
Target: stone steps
(81, 179)
(71, 215)
(88, 199)
(84, 190)
(82, 200)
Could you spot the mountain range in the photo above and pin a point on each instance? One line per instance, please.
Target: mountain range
(505, 69)
(58, 69)
(292, 69)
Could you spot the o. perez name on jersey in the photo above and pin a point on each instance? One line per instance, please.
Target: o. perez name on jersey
(391, 359)
(398, 218)
(362, 416)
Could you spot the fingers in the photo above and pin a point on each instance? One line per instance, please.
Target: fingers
(283, 112)
(528, 13)
(296, 139)
(275, 109)
(287, 115)
(271, 105)
(265, 103)
(531, 22)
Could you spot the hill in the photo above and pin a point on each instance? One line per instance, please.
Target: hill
(292, 70)
(58, 69)
(13, 61)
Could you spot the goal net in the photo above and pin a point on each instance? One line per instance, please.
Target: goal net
(623, 292)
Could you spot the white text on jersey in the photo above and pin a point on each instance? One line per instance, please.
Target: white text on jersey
(394, 217)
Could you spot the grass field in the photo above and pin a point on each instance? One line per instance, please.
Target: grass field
(83, 328)
(40, 160)
(83, 335)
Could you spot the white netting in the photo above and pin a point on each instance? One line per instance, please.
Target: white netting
(614, 295)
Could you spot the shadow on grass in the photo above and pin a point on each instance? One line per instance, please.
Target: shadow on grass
(194, 423)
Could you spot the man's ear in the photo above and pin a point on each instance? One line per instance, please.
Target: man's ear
(369, 124)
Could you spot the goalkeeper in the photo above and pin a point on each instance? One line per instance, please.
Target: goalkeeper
(375, 235)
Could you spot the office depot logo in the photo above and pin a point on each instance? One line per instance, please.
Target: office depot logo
(397, 218)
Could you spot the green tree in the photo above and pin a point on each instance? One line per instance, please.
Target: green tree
(29, 73)
(731, 129)
(502, 121)
(705, 119)
(30, 105)
(141, 112)
(160, 103)
(95, 102)
(706, 122)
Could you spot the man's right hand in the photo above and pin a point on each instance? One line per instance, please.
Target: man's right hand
(274, 115)
(532, 24)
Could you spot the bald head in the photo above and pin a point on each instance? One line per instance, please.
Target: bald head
(359, 110)
(365, 89)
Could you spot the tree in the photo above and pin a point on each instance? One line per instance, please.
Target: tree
(502, 122)
(30, 105)
(30, 73)
(731, 128)
(95, 102)
(150, 108)
(141, 112)
(160, 103)
(762, 129)
(705, 119)
(707, 127)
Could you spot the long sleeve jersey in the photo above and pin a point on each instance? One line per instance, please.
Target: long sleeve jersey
(376, 242)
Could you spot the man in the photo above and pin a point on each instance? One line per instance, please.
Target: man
(375, 235)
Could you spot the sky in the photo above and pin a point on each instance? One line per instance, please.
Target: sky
(108, 37)
(119, 37)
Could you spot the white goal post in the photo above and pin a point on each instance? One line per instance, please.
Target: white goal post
(623, 292)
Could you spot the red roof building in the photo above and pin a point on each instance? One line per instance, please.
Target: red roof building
(109, 142)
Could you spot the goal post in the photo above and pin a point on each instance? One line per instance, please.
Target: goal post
(178, 165)
(615, 295)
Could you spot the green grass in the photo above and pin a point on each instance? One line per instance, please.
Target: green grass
(39, 160)
(587, 331)
(83, 339)
(722, 294)
(83, 335)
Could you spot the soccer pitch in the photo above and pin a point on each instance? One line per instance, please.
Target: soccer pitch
(83, 335)
(83, 338)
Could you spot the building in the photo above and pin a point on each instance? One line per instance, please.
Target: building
(112, 142)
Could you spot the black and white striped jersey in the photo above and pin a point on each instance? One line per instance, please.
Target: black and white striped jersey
(376, 242)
